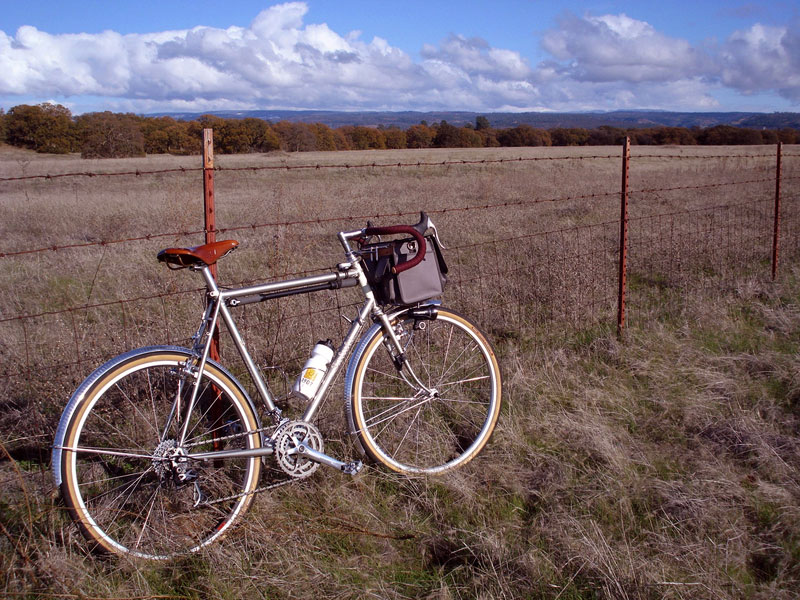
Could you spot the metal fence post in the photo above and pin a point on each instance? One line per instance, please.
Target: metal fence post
(623, 237)
(777, 228)
(210, 216)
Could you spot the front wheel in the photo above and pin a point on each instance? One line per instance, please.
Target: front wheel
(438, 411)
(122, 468)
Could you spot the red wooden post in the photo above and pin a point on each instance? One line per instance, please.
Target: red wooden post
(777, 229)
(623, 237)
(210, 216)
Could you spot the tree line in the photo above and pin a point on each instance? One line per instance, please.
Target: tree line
(52, 128)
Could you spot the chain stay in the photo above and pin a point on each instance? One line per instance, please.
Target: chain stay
(252, 492)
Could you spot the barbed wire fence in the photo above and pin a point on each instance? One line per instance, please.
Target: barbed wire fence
(527, 258)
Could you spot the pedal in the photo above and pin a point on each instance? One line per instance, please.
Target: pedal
(352, 468)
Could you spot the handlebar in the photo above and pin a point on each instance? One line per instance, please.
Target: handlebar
(405, 229)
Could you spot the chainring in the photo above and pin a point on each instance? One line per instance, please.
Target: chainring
(288, 440)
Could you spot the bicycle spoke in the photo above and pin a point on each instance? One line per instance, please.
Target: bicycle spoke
(154, 422)
(408, 429)
(381, 417)
(129, 489)
(460, 381)
(373, 422)
(105, 452)
(387, 374)
(147, 518)
(114, 429)
(201, 418)
(135, 407)
(108, 479)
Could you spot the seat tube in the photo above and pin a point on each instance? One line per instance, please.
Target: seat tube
(213, 293)
(238, 341)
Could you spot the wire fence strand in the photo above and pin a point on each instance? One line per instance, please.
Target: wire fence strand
(561, 277)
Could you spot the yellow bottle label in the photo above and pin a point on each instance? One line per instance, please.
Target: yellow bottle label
(310, 376)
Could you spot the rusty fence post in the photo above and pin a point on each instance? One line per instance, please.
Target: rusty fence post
(623, 237)
(210, 216)
(776, 233)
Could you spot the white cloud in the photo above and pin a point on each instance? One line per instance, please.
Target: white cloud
(474, 56)
(650, 69)
(619, 48)
(598, 62)
(275, 61)
(762, 58)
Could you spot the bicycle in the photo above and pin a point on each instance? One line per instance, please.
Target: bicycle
(160, 450)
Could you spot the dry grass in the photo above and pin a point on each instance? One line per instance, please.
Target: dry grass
(663, 466)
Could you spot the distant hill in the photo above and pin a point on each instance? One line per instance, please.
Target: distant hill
(544, 120)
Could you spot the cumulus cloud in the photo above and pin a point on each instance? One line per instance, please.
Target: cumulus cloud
(763, 58)
(276, 60)
(279, 61)
(653, 69)
(475, 57)
(619, 48)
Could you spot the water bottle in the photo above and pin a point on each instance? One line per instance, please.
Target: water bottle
(314, 370)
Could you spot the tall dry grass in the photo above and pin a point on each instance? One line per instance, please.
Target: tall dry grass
(661, 466)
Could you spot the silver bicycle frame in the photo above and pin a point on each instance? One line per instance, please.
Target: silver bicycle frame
(221, 302)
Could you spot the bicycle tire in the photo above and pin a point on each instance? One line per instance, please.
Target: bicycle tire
(410, 431)
(132, 503)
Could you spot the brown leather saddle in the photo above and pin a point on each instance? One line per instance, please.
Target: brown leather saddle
(197, 256)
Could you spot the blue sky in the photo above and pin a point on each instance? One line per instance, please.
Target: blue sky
(500, 55)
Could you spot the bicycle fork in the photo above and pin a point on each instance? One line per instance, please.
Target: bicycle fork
(397, 349)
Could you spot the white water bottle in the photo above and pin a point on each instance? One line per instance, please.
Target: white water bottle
(314, 370)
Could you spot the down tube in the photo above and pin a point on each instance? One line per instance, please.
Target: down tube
(344, 350)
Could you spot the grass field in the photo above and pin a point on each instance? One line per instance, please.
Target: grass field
(663, 465)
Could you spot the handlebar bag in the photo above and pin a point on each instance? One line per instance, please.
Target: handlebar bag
(422, 282)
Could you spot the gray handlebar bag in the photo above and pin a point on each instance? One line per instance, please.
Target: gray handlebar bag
(422, 282)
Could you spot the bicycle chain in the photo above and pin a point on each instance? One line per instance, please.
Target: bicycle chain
(255, 491)
(233, 436)
(264, 488)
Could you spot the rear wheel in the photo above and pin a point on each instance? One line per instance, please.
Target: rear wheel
(126, 479)
(438, 418)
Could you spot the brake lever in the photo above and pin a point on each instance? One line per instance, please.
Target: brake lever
(426, 223)
(368, 240)
(430, 225)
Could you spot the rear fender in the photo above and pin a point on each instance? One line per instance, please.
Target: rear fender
(100, 371)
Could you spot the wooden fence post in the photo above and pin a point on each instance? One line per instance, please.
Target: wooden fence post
(210, 216)
(623, 238)
(777, 228)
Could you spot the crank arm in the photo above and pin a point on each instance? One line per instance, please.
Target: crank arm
(308, 452)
